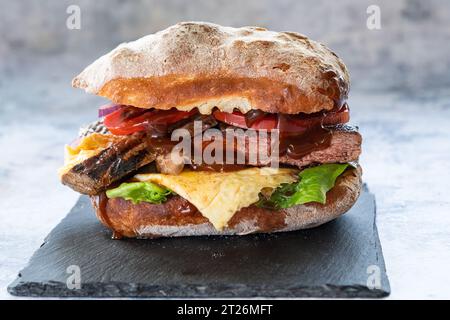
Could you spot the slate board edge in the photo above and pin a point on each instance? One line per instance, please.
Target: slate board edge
(121, 290)
(386, 285)
(117, 289)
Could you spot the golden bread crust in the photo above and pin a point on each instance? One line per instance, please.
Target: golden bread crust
(197, 63)
(177, 217)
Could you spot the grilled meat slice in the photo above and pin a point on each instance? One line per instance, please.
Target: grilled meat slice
(345, 146)
(110, 165)
(164, 161)
(208, 121)
(165, 164)
(133, 152)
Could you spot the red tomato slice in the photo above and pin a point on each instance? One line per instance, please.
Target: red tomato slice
(237, 119)
(285, 123)
(337, 117)
(331, 117)
(170, 116)
(128, 120)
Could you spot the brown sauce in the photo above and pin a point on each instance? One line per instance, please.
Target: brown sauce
(187, 208)
(296, 147)
(293, 146)
(253, 116)
(102, 201)
(161, 145)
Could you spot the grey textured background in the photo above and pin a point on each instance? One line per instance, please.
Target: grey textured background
(400, 98)
(410, 51)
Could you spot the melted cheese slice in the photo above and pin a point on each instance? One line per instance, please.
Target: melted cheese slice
(89, 146)
(218, 196)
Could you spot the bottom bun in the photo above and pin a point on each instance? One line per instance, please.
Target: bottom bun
(177, 217)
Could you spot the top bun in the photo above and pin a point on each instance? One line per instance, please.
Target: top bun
(204, 65)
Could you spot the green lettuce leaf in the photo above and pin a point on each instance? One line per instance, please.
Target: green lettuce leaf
(313, 185)
(140, 191)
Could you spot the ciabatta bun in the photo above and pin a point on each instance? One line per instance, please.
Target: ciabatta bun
(174, 219)
(204, 65)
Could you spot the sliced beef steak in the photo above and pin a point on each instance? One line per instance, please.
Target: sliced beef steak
(133, 152)
(112, 164)
(345, 146)
(165, 164)
(122, 159)
(207, 122)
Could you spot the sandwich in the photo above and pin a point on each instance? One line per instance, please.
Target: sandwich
(214, 130)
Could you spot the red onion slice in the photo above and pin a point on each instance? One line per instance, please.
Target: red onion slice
(107, 109)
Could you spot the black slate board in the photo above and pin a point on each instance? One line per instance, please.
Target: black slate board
(328, 261)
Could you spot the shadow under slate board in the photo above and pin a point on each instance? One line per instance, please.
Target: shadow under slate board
(337, 259)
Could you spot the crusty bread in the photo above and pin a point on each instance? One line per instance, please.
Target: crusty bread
(204, 65)
(177, 217)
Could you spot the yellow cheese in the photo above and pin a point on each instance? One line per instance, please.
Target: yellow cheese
(218, 196)
(88, 147)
